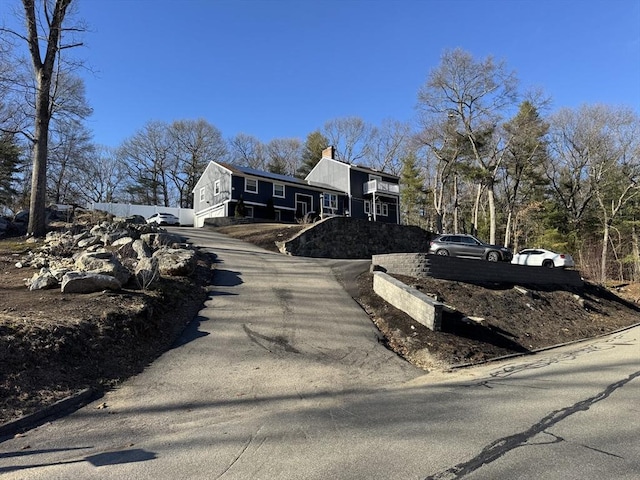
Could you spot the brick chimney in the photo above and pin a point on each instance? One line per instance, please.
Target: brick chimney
(328, 152)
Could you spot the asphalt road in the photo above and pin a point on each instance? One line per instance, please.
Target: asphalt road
(282, 377)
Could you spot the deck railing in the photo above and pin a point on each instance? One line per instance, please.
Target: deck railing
(378, 186)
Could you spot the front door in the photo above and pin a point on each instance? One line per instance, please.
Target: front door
(304, 204)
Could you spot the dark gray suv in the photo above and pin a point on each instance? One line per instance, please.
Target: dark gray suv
(459, 245)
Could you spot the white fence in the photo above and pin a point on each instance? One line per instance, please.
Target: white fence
(127, 209)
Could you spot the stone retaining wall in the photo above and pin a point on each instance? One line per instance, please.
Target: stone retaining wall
(475, 271)
(344, 237)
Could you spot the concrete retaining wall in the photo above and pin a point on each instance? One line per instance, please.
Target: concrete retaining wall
(417, 305)
(475, 271)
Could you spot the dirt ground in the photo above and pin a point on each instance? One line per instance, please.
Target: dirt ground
(54, 345)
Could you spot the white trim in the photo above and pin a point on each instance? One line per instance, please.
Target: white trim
(202, 194)
(284, 195)
(260, 204)
(295, 202)
(332, 196)
(382, 209)
(246, 179)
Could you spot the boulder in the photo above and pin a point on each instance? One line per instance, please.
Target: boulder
(141, 248)
(126, 240)
(86, 282)
(104, 263)
(89, 241)
(147, 272)
(175, 261)
(43, 280)
(109, 237)
(161, 239)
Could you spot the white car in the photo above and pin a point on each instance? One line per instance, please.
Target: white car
(539, 257)
(164, 219)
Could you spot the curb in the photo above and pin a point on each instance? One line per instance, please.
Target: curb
(59, 408)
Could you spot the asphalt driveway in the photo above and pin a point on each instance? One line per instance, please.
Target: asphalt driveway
(282, 376)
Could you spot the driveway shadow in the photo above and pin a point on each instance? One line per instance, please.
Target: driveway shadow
(191, 332)
(226, 278)
(115, 457)
(221, 278)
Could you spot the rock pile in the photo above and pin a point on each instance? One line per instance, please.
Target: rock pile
(107, 256)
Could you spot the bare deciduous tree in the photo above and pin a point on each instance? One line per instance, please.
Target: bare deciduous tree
(596, 158)
(103, 177)
(389, 144)
(70, 150)
(444, 145)
(148, 156)
(194, 144)
(47, 36)
(475, 95)
(284, 155)
(247, 151)
(351, 137)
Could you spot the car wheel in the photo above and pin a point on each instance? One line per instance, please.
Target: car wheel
(443, 252)
(493, 256)
(547, 263)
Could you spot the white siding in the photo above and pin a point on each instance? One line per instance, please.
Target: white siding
(331, 173)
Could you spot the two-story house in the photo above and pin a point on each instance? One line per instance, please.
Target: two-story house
(372, 194)
(264, 195)
(331, 188)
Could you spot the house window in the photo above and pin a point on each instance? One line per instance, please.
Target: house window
(277, 216)
(202, 193)
(251, 185)
(216, 187)
(330, 201)
(278, 190)
(249, 212)
(382, 209)
(367, 207)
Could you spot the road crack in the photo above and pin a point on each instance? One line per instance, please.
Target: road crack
(500, 447)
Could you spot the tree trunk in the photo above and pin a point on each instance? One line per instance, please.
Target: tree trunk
(456, 223)
(476, 211)
(492, 215)
(37, 214)
(635, 249)
(605, 246)
(507, 231)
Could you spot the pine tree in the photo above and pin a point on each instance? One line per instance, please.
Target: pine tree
(271, 210)
(312, 152)
(412, 194)
(9, 165)
(241, 210)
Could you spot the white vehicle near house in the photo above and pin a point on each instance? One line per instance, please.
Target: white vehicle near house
(164, 219)
(540, 257)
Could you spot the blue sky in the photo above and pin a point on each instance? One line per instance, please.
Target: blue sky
(282, 68)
